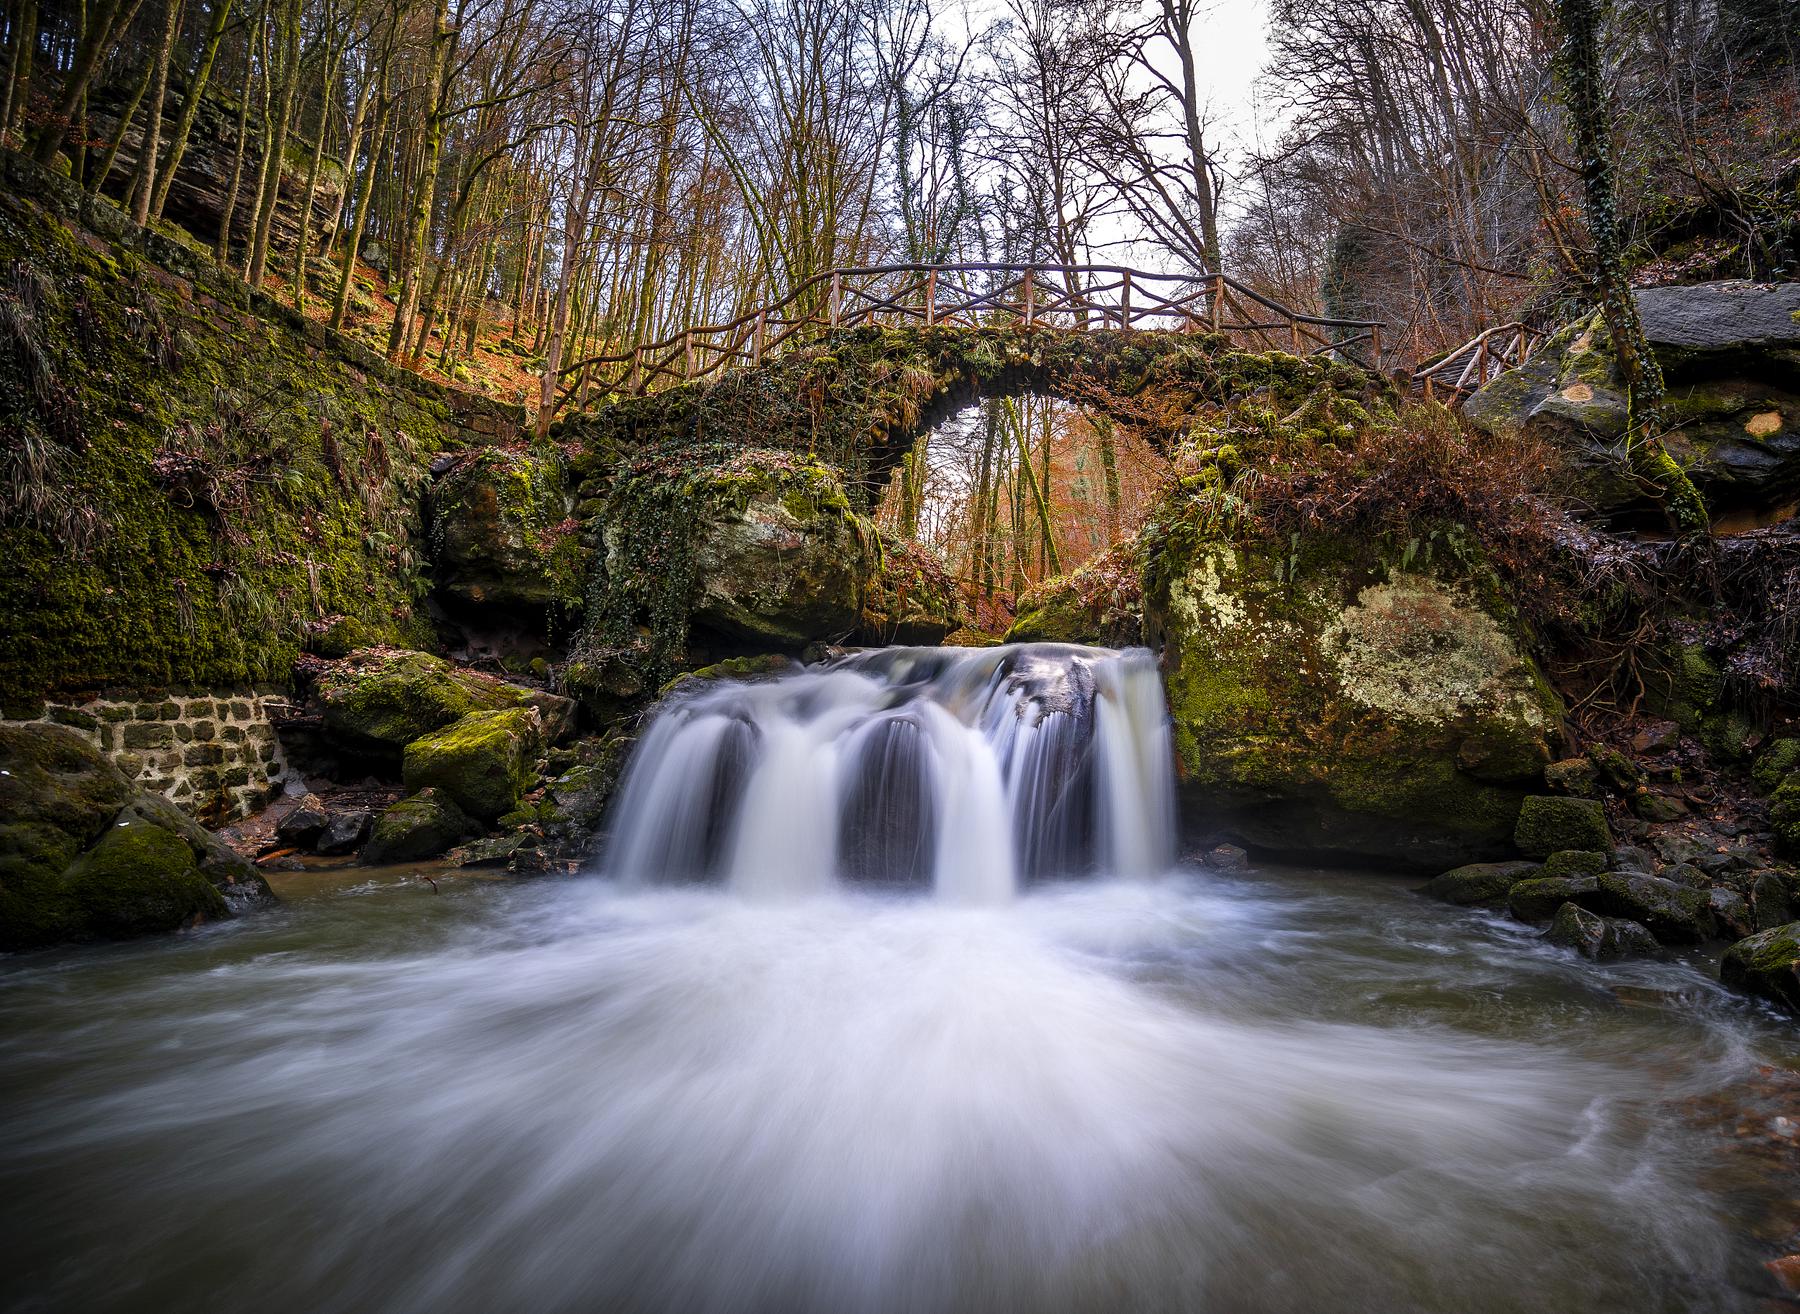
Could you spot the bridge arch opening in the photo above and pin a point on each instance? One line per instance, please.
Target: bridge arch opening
(1012, 488)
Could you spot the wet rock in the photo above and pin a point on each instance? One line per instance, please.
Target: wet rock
(1598, 938)
(1226, 857)
(344, 832)
(1658, 737)
(485, 761)
(1766, 964)
(1574, 862)
(1687, 873)
(1770, 903)
(1537, 898)
(1478, 883)
(1548, 824)
(1731, 912)
(495, 851)
(301, 828)
(422, 826)
(556, 715)
(1673, 913)
(84, 855)
(1628, 857)
(1331, 706)
(1573, 775)
(1673, 848)
(1784, 815)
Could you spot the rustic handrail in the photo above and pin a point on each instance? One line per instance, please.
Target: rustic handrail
(1089, 298)
(1458, 374)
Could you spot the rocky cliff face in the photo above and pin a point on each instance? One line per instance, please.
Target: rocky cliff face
(1731, 355)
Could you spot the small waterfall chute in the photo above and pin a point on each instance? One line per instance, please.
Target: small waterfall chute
(966, 769)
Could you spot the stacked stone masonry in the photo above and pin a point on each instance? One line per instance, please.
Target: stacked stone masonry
(215, 755)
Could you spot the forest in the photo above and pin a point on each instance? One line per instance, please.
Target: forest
(498, 191)
(864, 656)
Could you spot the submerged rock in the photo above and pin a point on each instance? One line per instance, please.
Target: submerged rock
(1328, 704)
(84, 855)
(485, 761)
(1766, 964)
(422, 826)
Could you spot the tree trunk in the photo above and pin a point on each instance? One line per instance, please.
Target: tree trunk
(94, 43)
(190, 105)
(365, 192)
(1590, 124)
(222, 254)
(425, 187)
(281, 111)
(144, 180)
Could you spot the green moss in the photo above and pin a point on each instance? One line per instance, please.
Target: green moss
(382, 698)
(485, 761)
(421, 826)
(139, 880)
(207, 484)
(1776, 762)
(1549, 824)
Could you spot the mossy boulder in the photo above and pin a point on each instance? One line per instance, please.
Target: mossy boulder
(1548, 824)
(498, 531)
(1779, 760)
(1538, 898)
(782, 561)
(485, 761)
(1731, 355)
(1328, 703)
(1101, 603)
(1673, 912)
(422, 826)
(1596, 937)
(83, 855)
(1575, 862)
(1784, 815)
(139, 879)
(911, 598)
(384, 698)
(1478, 884)
(1766, 964)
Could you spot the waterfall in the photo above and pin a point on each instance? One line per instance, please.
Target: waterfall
(970, 770)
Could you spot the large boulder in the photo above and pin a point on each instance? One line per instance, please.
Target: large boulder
(1731, 354)
(1548, 824)
(422, 826)
(501, 531)
(912, 598)
(1766, 964)
(1478, 884)
(780, 560)
(484, 762)
(378, 700)
(84, 855)
(1329, 705)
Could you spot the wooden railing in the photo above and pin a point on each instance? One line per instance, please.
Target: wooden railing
(1081, 298)
(1457, 375)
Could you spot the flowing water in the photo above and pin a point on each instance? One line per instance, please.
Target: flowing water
(886, 997)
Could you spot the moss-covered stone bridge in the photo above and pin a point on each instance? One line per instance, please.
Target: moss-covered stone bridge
(861, 398)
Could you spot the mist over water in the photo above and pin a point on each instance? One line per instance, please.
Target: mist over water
(700, 1085)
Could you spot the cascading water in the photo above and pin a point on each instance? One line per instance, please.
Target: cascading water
(970, 770)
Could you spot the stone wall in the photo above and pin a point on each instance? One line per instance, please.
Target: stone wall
(214, 755)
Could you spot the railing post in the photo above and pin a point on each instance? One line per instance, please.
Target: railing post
(687, 354)
(1125, 300)
(1218, 302)
(1294, 334)
(756, 348)
(930, 297)
(637, 368)
(1030, 297)
(1375, 345)
(837, 297)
